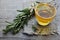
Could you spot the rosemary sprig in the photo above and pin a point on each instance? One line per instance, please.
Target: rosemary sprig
(19, 21)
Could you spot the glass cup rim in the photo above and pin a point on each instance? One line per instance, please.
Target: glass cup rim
(36, 11)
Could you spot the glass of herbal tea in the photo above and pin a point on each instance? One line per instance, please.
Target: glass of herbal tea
(44, 13)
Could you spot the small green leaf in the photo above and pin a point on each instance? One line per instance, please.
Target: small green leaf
(34, 28)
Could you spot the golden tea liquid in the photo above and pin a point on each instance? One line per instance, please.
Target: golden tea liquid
(44, 13)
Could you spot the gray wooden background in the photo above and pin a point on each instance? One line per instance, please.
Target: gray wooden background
(8, 12)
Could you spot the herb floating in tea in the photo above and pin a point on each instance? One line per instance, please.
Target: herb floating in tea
(20, 20)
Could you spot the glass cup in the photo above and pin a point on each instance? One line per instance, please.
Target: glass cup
(45, 13)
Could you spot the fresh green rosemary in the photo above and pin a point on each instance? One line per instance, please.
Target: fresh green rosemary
(19, 22)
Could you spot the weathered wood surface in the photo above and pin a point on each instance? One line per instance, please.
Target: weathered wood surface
(8, 12)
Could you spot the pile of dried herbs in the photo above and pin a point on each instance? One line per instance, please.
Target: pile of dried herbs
(19, 22)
